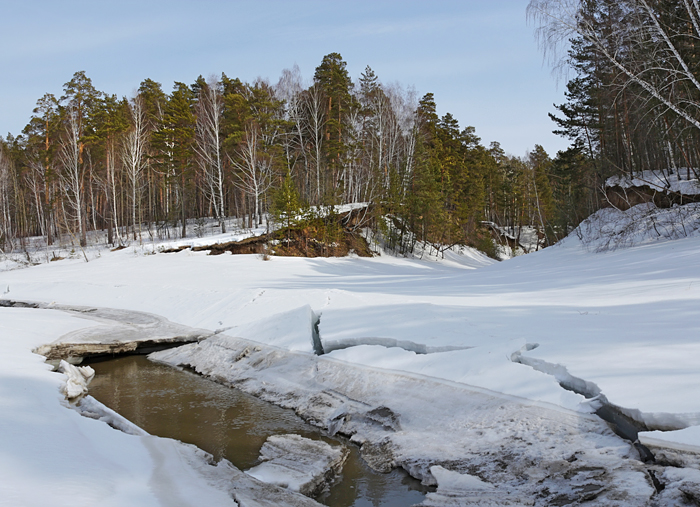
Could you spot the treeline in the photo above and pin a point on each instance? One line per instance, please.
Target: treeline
(633, 103)
(222, 148)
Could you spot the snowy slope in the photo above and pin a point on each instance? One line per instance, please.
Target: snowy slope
(660, 181)
(624, 320)
(622, 324)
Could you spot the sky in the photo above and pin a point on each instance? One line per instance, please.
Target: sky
(478, 57)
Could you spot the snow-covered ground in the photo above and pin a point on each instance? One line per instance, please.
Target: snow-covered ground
(610, 228)
(672, 181)
(51, 455)
(621, 324)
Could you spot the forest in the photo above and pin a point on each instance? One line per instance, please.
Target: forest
(633, 94)
(220, 148)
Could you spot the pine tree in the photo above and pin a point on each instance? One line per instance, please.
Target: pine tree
(41, 135)
(174, 145)
(108, 122)
(333, 78)
(540, 165)
(286, 204)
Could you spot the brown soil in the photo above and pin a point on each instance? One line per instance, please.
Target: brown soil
(625, 198)
(304, 241)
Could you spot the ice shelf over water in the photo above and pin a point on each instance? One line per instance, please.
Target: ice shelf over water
(298, 463)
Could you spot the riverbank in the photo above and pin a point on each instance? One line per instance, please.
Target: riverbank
(51, 455)
(622, 323)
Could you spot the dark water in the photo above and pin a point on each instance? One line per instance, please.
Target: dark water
(230, 424)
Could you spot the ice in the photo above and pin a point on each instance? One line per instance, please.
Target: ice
(121, 331)
(298, 463)
(455, 489)
(424, 334)
(77, 379)
(681, 486)
(292, 330)
(529, 449)
(684, 439)
(51, 455)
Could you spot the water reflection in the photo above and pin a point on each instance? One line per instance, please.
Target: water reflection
(230, 424)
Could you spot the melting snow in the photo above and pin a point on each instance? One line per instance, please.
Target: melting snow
(624, 321)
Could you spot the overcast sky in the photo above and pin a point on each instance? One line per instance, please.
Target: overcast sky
(478, 57)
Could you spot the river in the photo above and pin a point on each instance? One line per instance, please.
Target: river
(230, 424)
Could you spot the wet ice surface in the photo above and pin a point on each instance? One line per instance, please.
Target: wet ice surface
(529, 453)
(301, 464)
(230, 424)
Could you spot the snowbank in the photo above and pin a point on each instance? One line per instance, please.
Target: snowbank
(51, 455)
(660, 181)
(685, 439)
(292, 330)
(622, 322)
(643, 224)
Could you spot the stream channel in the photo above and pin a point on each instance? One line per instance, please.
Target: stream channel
(230, 424)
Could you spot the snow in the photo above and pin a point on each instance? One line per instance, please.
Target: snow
(51, 455)
(620, 324)
(78, 378)
(672, 181)
(687, 438)
(644, 224)
(291, 329)
(519, 240)
(298, 463)
(213, 239)
(636, 296)
(455, 489)
(414, 421)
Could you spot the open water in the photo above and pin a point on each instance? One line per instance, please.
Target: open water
(230, 424)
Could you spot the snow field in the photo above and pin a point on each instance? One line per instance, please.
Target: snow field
(623, 323)
(624, 320)
(51, 455)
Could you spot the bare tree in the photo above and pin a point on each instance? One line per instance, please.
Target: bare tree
(290, 90)
(111, 192)
(254, 167)
(209, 112)
(72, 175)
(641, 48)
(6, 228)
(133, 153)
(314, 103)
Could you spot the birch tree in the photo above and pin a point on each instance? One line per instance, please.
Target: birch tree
(133, 155)
(209, 113)
(641, 47)
(314, 103)
(254, 174)
(72, 177)
(289, 89)
(6, 228)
